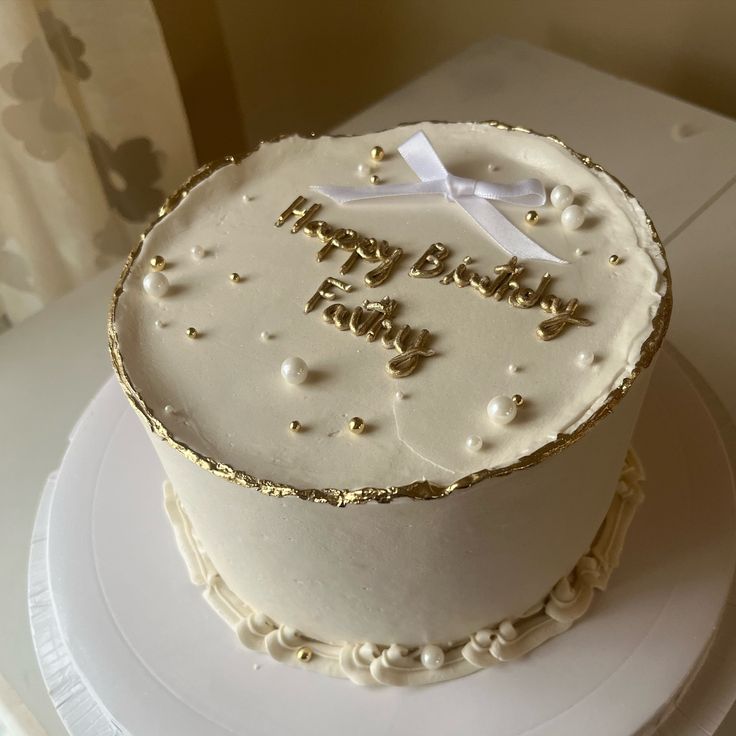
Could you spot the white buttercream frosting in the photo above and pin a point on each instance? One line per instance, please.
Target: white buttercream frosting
(366, 663)
(232, 403)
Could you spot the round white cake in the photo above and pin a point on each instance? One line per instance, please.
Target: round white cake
(396, 377)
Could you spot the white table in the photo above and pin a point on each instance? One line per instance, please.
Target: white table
(680, 160)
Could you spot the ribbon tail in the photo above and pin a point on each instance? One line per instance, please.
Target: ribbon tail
(504, 232)
(423, 160)
(524, 193)
(352, 194)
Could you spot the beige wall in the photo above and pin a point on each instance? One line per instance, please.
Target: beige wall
(264, 68)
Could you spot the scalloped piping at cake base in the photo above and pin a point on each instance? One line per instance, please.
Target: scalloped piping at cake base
(369, 664)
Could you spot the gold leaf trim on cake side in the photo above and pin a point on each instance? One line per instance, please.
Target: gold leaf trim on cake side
(393, 664)
(418, 490)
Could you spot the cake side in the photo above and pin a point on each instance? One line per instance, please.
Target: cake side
(230, 407)
(367, 663)
(409, 572)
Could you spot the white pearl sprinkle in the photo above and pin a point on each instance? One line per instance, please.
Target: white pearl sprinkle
(256, 667)
(245, 198)
(169, 409)
(579, 251)
(513, 368)
(364, 169)
(572, 217)
(682, 131)
(561, 196)
(492, 167)
(501, 409)
(585, 358)
(294, 370)
(159, 324)
(399, 395)
(265, 336)
(197, 252)
(432, 657)
(155, 284)
(474, 443)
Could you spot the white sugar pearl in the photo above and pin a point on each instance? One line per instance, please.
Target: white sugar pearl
(399, 395)
(197, 252)
(474, 443)
(572, 217)
(169, 409)
(492, 167)
(294, 370)
(579, 251)
(585, 358)
(159, 324)
(245, 198)
(561, 196)
(513, 368)
(432, 657)
(265, 336)
(682, 131)
(364, 169)
(155, 284)
(501, 409)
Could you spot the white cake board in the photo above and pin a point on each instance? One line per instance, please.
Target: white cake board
(156, 660)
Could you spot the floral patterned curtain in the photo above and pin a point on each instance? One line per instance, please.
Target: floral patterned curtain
(93, 134)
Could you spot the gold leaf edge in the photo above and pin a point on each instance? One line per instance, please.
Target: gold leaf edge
(417, 490)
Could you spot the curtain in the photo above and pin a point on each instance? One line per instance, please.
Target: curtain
(93, 135)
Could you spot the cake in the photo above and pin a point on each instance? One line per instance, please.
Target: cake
(392, 380)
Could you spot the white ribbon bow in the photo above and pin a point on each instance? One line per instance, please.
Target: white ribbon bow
(475, 197)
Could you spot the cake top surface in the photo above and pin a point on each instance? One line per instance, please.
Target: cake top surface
(493, 325)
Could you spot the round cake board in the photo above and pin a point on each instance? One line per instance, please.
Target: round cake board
(160, 662)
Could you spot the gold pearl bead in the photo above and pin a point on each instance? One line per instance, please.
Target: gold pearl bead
(192, 333)
(158, 263)
(375, 179)
(532, 217)
(356, 425)
(377, 153)
(518, 399)
(235, 277)
(614, 260)
(304, 654)
(295, 426)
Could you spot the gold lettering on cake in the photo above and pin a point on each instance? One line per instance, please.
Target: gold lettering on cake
(552, 327)
(525, 298)
(297, 208)
(430, 263)
(411, 349)
(372, 320)
(323, 292)
(356, 245)
(505, 284)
